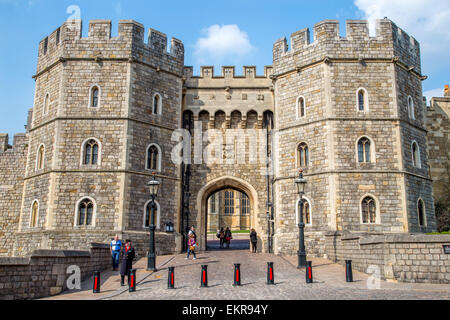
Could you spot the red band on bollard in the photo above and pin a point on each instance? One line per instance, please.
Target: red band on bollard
(204, 277)
(171, 278)
(309, 272)
(271, 274)
(132, 281)
(95, 284)
(237, 275)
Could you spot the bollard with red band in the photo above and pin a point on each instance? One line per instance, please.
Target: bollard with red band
(348, 271)
(132, 281)
(171, 278)
(204, 276)
(96, 287)
(309, 275)
(270, 275)
(237, 275)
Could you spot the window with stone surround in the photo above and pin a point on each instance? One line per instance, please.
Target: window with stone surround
(245, 205)
(302, 155)
(94, 97)
(307, 220)
(421, 213)
(411, 108)
(91, 151)
(301, 107)
(156, 214)
(368, 210)
(364, 150)
(85, 212)
(415, 152)
(46, 104)
(157, 104)
(362, 98)
(34, 214)
(40, 158)
(153, 161)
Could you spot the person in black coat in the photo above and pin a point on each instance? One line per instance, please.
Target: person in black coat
(128, 255)
(254, 240)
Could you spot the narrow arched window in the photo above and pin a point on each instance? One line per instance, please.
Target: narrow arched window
(415, 155)
(361, 100)
(421, 212)
(85, 212)
(368, 210)
(301, 107)
(148, 210)
(40, 158)
(157, 104)
(34, 214)
(306, 212)
(95, 92)
(364, 150)
(411, 108)
(91, 152)
(46, 103)
(153, 158)
(303, 155)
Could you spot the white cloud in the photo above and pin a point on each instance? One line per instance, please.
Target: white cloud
(221, 43)
(426, 20)
(438, 92)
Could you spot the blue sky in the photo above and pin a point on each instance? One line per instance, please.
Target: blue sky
(233, 32)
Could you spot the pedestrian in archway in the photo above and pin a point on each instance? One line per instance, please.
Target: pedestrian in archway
(228, 237)
(221, 237)
(191, 246)
(128, 256)
(253, 240)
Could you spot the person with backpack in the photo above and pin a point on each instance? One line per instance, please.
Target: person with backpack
(128, 255)
(228, 237)
(191, 247)
(221, 237)
(253, 240)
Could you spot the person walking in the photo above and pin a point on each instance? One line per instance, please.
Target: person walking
(253, 240)
(221, 237)
(228, 237)
(115, 247)
(191, 247)
(192, 232)
(128, 256)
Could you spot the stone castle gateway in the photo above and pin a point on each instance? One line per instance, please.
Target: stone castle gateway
(347, 110)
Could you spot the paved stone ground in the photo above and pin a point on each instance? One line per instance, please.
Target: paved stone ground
(289, 281)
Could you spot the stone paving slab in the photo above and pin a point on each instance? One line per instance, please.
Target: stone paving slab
(329, 281)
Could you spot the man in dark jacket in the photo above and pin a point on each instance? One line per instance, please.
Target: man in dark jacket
(128, 256)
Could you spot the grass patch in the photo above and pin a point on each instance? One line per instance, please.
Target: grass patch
(445, 232)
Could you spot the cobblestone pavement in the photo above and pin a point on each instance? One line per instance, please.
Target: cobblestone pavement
(289, 281)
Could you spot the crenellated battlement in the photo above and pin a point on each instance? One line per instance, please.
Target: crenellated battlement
(19, 142)
(389, 42)
(67, 42)
(228, 72)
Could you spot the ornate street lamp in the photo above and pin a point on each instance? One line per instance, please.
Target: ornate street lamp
(300, 182)
(153, 186)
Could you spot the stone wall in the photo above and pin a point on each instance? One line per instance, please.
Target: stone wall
(44, 273)
(401, 257)
(12, 172)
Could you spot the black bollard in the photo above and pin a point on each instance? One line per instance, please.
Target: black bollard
(270, 275)
(132, 281)
(348, 271)
(204, 276)
(237, 275)
(309, 275)
(171, 278)
(96, 287)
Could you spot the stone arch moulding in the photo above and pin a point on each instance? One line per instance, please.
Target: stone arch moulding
(217, 185)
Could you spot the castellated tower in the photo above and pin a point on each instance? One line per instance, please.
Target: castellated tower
(349, 113)
(104, 112)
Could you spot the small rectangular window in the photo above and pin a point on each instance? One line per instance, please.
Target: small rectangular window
(45, 45)
(58, 35)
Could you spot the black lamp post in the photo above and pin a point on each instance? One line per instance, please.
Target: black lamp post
(153, 186)
(300, 182)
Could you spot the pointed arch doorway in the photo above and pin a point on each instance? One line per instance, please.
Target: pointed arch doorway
(225, 190)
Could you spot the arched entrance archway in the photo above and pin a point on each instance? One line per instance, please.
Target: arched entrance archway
(222, 183)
